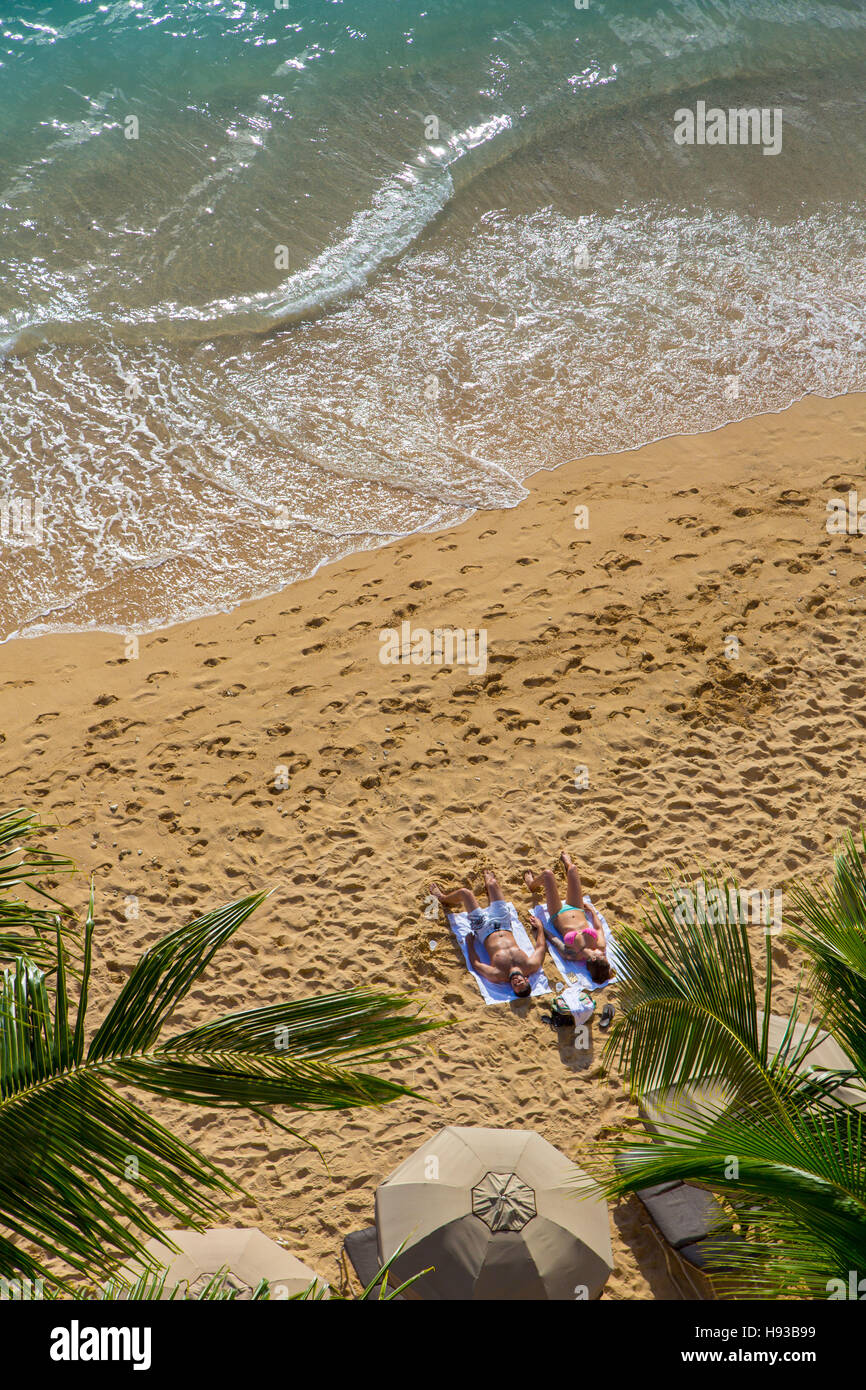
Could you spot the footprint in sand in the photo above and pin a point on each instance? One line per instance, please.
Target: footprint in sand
(113, 728)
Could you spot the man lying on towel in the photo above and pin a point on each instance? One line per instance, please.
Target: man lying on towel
(582, 938)
(491, 925)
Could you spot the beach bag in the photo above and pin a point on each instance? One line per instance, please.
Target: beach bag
(561, 1015)
(577, 1003)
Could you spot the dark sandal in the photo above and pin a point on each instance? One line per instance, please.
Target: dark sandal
(607, 1014)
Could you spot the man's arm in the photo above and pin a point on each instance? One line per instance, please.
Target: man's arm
(483, 969)
(537, 956)
(540, 942)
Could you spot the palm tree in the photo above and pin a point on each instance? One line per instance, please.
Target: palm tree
(82, 1166)
(781, 1145)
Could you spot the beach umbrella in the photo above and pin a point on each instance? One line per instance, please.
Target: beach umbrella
(703, 1099)
(497, 1214)
(248, 1254)
(670, 1110)
(828, 1056)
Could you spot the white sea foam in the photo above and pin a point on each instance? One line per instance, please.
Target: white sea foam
(546, 277)
(235, 473)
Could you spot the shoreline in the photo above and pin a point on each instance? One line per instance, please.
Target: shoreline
(396, 538)
(606, 651)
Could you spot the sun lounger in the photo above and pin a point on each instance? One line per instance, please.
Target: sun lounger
(684, 1214)
(497, 994)
(362, 1251)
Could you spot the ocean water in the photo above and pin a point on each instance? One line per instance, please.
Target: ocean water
(280, 284)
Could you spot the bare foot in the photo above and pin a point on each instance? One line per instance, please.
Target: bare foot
(437, 892)
(567, 861)
(529, 879)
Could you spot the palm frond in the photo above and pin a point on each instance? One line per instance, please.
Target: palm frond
(163, 977)
(355, 1022)
(87, 954)
(78, 1166)
(378, 1285)
(219, 1080)
(798, 1190)
(829, 925)
(81, 1167)
(23, 862)
(777, 1141)
(25, 930)
(151, 1284)
(688, 994)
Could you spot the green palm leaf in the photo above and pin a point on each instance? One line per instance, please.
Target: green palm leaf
(78, 1165)
(796, 1190)
(222, 1079)
(164, 975)
(829, 926)
(151, 1283)
(24, 928)
(778, 1145)
(349, 1023)
(81, 1166)
(689, 1001)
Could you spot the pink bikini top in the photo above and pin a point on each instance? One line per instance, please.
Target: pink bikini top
(571, 936)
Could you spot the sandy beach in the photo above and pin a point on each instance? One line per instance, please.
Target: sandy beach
(614, 715)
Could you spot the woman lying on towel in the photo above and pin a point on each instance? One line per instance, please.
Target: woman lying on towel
(491, 927)
(575, 928)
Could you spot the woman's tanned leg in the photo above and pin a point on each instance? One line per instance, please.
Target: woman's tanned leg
(545, 882)
(575, 889)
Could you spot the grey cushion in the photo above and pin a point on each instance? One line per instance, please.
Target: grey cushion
(683, 1214)
(362, 1249)
(697, 1254)
(703, 1253)
(660, 1187)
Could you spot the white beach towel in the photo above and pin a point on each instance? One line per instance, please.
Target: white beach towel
(497, 994)
(576, 969)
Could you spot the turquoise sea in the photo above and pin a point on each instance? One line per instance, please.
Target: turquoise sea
(282, 282)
